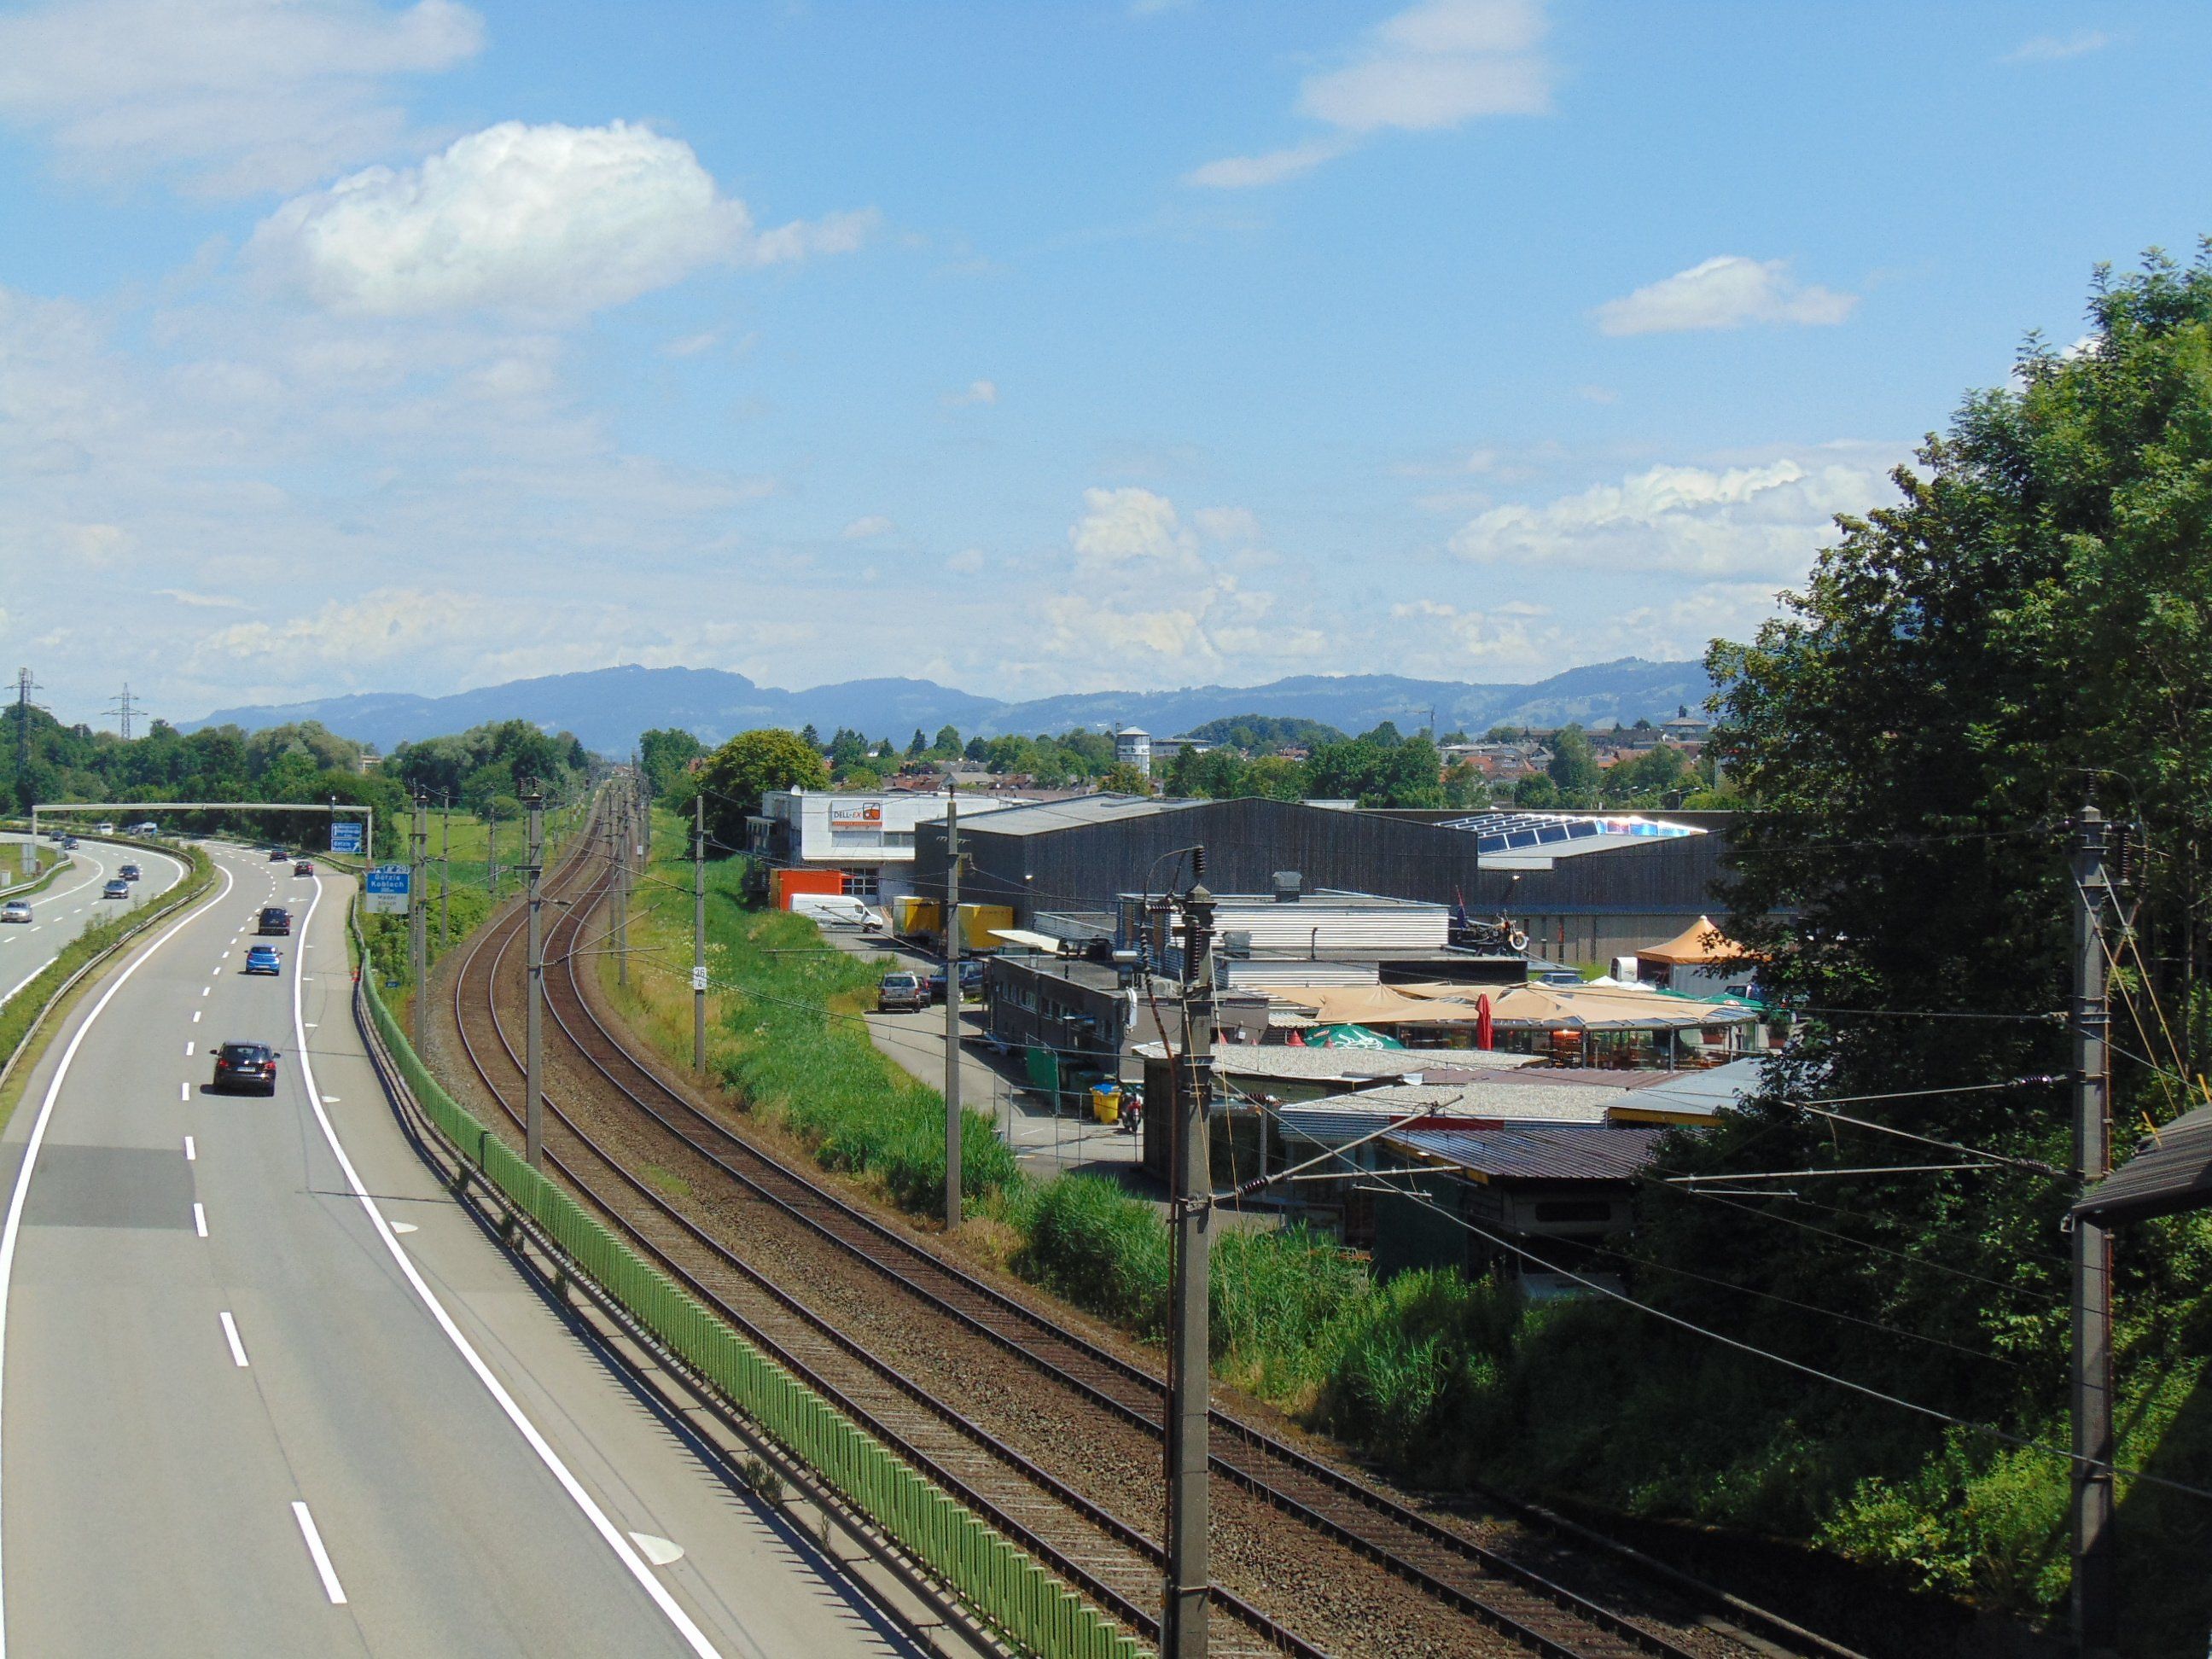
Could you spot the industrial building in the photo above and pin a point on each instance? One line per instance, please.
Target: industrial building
(861, 846)
(1587, 887)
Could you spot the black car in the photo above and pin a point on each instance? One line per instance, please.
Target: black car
(275, 920)
(245, 1068)
(971, 980)
(131, 872)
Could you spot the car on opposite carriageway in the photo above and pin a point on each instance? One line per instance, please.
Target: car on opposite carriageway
(242, 1068)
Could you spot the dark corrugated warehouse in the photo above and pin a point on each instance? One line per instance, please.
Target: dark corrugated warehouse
(1079, 854)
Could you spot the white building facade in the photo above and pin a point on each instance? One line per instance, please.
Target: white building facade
(870, 837)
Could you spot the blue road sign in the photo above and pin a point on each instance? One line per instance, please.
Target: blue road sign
(345, 834)
(385, 889)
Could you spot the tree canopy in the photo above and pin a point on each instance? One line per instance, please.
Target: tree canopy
(735, 776)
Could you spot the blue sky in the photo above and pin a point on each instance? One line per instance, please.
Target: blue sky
(347, 345)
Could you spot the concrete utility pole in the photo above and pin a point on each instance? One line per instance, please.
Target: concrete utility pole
(1190, 1377)
(699, 933)
(445, 868)
(533, 1118)
(953, 1166)
(2096, 1603)
(491, 849)
(418, 909)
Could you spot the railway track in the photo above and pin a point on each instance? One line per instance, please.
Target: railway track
(1112, 1557)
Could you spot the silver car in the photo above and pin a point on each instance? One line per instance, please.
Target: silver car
(15, 910)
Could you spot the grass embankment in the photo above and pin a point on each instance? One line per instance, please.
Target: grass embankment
(23, 1009)
(1296, 1320)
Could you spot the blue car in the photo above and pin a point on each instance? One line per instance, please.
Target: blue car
(263, 959)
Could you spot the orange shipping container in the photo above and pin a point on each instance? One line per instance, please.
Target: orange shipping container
(782, 883)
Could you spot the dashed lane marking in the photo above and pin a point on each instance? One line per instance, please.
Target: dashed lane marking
(230, 1335)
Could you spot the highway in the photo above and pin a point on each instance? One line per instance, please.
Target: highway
(73, 903)
(266, 1388)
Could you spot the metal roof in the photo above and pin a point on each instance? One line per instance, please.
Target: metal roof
(1702, 1093)
(1047, 816)
(1571, 1154)
(2170, 1171)
(1482, 1098)
(1280, 1059)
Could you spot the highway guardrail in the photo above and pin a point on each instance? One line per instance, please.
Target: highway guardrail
(1034, 1609)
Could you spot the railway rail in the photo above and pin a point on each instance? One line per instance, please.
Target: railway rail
(1109, 1556)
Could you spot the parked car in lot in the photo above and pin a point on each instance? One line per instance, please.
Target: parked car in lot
(304, 867)
(131, 873)
(901, 993)
(274, 919)
(263, 959)
(15, 910)
(971, 980)
(246, 1067)
(118, 888)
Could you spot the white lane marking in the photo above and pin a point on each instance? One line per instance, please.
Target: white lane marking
(323, 1568)
(405, 1227)
(311, 1024)
(204, 990)
(195, 1016)
(329, 1100)
(188, 1051)
(199, 1219)
(661, 1552)
(230, 1335)
(625, 1552)
(185, 1091)
(11, 1231)
(191, 1152)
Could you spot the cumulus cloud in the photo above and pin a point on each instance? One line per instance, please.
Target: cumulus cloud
(379, 626)
(967, 562)
(1728, 292)
(2055, 48)
(552, 220)
(1756, 522)
(237, 96)
(1433, 66)
(867, 529)
(984, 392)
(1121, 528)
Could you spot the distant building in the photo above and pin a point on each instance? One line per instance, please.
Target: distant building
(867, 839)
(1132, 746)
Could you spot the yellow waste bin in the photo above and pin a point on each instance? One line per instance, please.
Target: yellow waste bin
(1106, 1103)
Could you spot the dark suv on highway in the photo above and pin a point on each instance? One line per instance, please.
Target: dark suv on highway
(245, 1068)
(275, 920)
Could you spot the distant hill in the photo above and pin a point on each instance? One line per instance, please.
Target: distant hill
(608, 707)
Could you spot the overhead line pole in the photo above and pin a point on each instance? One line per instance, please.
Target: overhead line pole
(533, 1122)
(618, 831)
(699, 933)
(418, 909)
(2095, 1589)
(953, 1170)
(1190, 1377)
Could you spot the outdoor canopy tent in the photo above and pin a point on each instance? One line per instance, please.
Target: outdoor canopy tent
(1516, 1007)
(1700, 944)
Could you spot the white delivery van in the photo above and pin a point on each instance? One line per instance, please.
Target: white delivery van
(838, 910)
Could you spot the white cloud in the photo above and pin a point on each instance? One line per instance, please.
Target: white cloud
(968, 561)
(1755, 521)
(984, 392)
(861, 529)
(185, 596)
(1228, 524)
(1272, 167)
(379, 626)
(1133, 526)
(692, 345)
(2055, 48)
(1433, 66)
(557, 221)
(238, 96)
(1728, 292)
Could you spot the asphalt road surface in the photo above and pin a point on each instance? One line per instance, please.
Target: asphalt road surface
(73, 903)
(264, 1389)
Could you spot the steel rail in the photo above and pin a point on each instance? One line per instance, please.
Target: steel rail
(1116, 1600)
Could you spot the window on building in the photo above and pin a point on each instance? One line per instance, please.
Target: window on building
(861, 884)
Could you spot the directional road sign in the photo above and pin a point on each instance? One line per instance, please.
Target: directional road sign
(345, 834)
(384, 889)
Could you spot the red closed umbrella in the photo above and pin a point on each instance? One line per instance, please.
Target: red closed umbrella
(1485, 1037)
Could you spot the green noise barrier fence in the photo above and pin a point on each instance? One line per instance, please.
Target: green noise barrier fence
(1006, 1586)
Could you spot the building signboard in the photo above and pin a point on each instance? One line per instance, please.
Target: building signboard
(856, 815)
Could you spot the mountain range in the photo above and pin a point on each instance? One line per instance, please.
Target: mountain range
(608, 707)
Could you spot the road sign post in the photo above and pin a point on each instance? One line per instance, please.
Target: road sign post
(386, 891)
